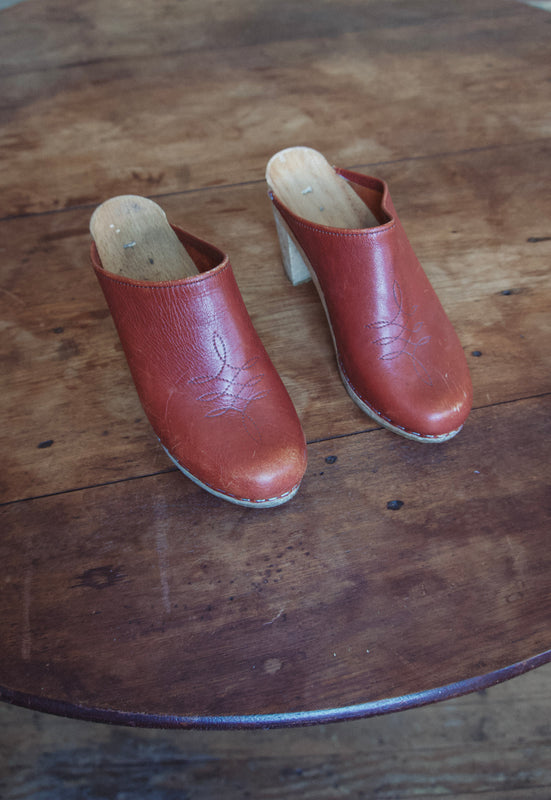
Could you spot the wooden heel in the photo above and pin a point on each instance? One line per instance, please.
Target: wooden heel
(294, 262)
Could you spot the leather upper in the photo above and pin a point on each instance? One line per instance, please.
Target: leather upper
(396, 347)
(205, 380)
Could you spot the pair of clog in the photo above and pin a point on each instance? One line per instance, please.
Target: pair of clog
(204, 379)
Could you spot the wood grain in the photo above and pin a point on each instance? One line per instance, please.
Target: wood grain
(264, 614)
(400, 574)
(133, 238)
(66, 377)
(160, 96)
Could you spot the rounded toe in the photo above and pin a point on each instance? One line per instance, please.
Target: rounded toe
(254, 473)
(419, 410)
(444, 419)
(269, 478)
(435, 413)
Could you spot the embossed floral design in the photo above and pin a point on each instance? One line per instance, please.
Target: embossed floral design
(232, 389)
(401, 336)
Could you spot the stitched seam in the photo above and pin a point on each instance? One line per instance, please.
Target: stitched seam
(233, 389)
(365, 232)
(311, 226)
(404, 337)
(235, 496)
(248, 499)
(155, 286)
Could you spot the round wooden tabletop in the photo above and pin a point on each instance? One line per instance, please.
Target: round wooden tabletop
(148, 602)
(401, 573)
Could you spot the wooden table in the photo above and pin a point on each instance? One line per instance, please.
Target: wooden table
(127, 593)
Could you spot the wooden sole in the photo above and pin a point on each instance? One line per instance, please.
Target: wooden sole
(308, 185)
(271, 502)
(134, 239)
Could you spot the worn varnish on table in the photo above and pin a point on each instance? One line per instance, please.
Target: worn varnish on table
(401, 573)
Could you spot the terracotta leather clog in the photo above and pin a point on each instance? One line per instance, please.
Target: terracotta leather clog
(205, 381)
(398, 354)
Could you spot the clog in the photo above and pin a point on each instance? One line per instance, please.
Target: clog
(398, 354)
(206, 383)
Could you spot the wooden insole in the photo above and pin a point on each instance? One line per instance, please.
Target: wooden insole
(308, 185)
(134, 239)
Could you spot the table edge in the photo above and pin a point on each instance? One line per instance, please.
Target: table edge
(291, 719)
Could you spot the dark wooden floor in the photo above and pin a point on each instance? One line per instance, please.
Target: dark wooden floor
(185, 102)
